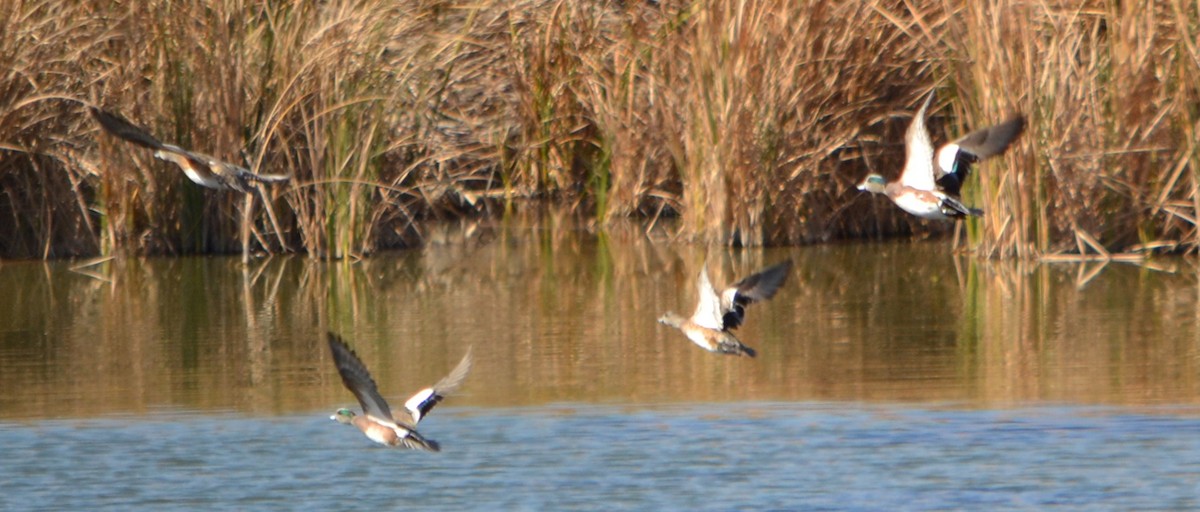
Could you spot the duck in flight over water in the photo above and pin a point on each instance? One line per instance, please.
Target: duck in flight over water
(930, 184)
(718, 314)
(377, 421)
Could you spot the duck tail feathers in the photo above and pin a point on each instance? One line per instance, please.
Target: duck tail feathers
(416, 441)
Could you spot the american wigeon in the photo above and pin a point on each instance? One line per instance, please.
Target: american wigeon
(717, 314)
(200, 168)
(932, 191)
(376, 421)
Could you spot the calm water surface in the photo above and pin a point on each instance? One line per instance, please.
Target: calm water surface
(889, 377)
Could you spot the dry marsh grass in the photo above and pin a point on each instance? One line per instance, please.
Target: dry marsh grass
(749, 121)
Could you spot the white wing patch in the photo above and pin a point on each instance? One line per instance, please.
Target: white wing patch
(413, 405)
(727, 299)
(946, 156)
(708, 310)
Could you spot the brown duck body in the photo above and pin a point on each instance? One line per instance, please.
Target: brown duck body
(712, 340)
(392, 435)
(716, 315)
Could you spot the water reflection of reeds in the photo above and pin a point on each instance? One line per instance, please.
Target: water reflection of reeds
(557, 315)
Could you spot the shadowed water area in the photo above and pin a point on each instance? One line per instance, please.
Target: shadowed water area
(893, 376)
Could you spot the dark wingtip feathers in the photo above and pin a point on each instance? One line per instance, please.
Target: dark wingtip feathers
(344, 359)
(763, 285)
(338, 347)
(356, 377)
(979, 145)
(993, 140)
(124, 129)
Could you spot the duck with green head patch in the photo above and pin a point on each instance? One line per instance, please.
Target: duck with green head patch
(932, 191)
(377, 421)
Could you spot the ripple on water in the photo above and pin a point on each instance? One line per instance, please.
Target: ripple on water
(703, 456)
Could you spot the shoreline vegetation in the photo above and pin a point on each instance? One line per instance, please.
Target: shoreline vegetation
(747, 122)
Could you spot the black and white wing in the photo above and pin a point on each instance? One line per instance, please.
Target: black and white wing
(423, 401)
(955, 159)
(756, 287)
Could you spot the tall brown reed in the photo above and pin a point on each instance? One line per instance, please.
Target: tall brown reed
(47, 205)
(749, 121)
(1107, 162)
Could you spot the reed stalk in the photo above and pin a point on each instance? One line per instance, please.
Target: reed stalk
(750, 121)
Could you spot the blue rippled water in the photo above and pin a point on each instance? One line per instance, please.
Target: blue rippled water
(763, 456)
